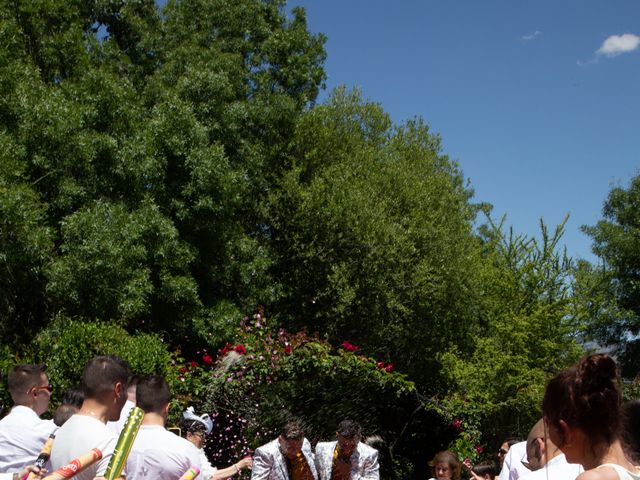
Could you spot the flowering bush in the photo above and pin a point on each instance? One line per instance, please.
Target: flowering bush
(265, 371)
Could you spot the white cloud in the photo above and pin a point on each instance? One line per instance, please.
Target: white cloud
(532, 36)
(617, 44)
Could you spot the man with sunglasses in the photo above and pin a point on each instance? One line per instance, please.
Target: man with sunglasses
(23, 432)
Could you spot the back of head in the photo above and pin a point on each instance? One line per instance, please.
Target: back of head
(486, 469)
(63, 413)
(102, 373)
(153, 394)
(587, 396)
(450, 459)
(349, 428)
(73, 397)
(22, 378)
(192, 426)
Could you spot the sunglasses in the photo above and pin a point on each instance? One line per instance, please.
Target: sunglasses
(48, 388)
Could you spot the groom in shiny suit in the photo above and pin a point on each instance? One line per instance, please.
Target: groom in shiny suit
(347, 458)
(288, 457)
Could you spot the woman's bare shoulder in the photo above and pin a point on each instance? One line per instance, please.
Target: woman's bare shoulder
(601, 473)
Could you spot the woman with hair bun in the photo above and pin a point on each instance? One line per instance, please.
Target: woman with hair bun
(582, 410)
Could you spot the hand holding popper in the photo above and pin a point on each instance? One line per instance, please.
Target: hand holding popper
(125, 442)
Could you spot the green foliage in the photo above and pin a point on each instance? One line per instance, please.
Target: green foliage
(526, 335)
(66, 345)
(611, 292)
(372, 226)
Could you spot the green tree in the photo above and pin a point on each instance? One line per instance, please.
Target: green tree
(611, 291)
(146, 143)
(372, 228)
(527, 333)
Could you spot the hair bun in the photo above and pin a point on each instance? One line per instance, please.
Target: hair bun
(597, 373)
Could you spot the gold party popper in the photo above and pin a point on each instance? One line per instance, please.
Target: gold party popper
(124, 444)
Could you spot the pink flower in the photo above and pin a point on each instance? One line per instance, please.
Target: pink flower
(350, 347)
(389, 368)
(467, 462)
(287, 349)
(456, 423)
(183, 370)
(479, 449)
(206, 358)
(380, 365)
(241, 349)
(194, 364)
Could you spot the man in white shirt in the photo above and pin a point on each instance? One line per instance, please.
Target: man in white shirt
(104, 382)
(546, 460)
(513, 468)
(23, 433)
(156, 452)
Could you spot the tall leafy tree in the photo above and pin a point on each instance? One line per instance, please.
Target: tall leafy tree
(611, 291)
(373, 231)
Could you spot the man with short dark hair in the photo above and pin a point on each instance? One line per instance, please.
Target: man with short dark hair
(347, 458)
(288, 457)
(156, 452)
(22, 432)
(104, 383)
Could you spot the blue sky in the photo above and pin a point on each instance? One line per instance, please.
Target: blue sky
(540, 112)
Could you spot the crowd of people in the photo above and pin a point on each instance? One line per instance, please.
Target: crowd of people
(95, 416)
(585, 433)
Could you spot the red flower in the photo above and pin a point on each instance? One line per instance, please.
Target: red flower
(457, 423)
(287, 349)
(380, 365)
(183, 370)
(350, 347)
(194, 364)
(206, 358)
(479, 449)
(241, 349)
(227, 348)
(389, 368)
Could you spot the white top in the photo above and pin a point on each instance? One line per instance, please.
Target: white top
(22, 435)
(206, 469)
(77, 436)
(117, 426)
(623, 473)
(556, 469)
(159, 454)
(512, 469)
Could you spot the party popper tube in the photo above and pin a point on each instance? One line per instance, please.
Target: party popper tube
(124, 444)
(190, 474)
(76, 465)
(45, 453)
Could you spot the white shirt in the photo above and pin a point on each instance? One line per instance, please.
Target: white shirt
(22, 435)
(556, 469)
(77, 436)
(117, 426)
(512, 469)
(159, 454)
(206, 469)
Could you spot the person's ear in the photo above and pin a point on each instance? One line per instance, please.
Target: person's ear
(566, 433)
(118, 389)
